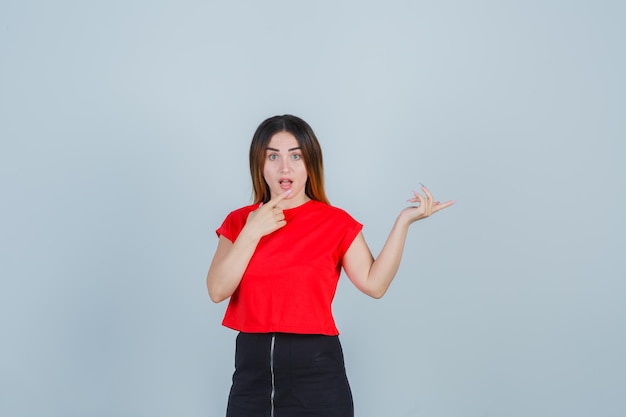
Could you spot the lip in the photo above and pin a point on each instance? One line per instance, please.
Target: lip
(285, 183)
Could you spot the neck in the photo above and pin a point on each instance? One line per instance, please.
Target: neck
(293, 202)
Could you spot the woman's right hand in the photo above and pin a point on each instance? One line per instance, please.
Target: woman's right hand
(231, 258)
(267, 218)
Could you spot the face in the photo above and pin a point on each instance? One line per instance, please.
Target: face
(284, 169)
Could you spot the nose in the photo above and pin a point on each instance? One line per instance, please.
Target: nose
(285, 165)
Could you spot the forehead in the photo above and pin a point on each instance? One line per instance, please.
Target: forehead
(283, 140)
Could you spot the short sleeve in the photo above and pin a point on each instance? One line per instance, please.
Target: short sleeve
(352, 229)
(233, 223)
(226, 229)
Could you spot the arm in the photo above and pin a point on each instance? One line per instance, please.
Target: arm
(231, 258)
(373, 276)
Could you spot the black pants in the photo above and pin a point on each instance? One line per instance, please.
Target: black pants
(289, 375)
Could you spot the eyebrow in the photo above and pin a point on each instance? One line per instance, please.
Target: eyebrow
(278, 150)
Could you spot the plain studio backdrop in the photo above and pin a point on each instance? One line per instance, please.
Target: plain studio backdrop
(125, 128)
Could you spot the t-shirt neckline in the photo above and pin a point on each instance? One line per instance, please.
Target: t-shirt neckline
(300, 206)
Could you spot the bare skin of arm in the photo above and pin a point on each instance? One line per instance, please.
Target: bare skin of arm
(373, 276)
(231, 258)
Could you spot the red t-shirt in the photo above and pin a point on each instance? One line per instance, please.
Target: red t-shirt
(291, 279)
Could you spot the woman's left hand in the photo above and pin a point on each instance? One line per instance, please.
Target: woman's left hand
(426, 206)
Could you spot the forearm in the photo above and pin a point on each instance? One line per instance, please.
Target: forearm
(226, 270)
(231, 259)
(385, 267)
(373, 276)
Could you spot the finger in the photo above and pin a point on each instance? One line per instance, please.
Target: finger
(417, 196)
(427, 192)
(442, 206)
(258, 208)
(279, 215)
(274, 201)
(417, 199)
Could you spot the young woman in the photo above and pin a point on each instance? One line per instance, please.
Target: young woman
(279, 260)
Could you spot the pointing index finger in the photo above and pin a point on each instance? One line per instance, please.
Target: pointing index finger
(274, 201)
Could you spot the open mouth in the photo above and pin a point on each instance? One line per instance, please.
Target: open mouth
(285, 183)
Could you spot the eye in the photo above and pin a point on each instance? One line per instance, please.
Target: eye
(272, 157)
(296, 156)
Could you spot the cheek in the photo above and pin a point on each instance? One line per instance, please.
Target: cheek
(266, 173)
(304, 171)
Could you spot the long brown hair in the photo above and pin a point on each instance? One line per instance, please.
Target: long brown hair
(311, 152)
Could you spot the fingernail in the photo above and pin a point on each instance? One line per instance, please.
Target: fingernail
(288, 192)
(422, 185)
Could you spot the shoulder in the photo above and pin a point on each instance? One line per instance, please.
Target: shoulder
(243, 211)
(337, 224)
(239, 215)
(234, 222)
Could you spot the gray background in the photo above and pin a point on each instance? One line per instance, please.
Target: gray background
(125, 127)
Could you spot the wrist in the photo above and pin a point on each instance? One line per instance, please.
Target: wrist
(403, 222)
(249, 236)
(405, 219)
